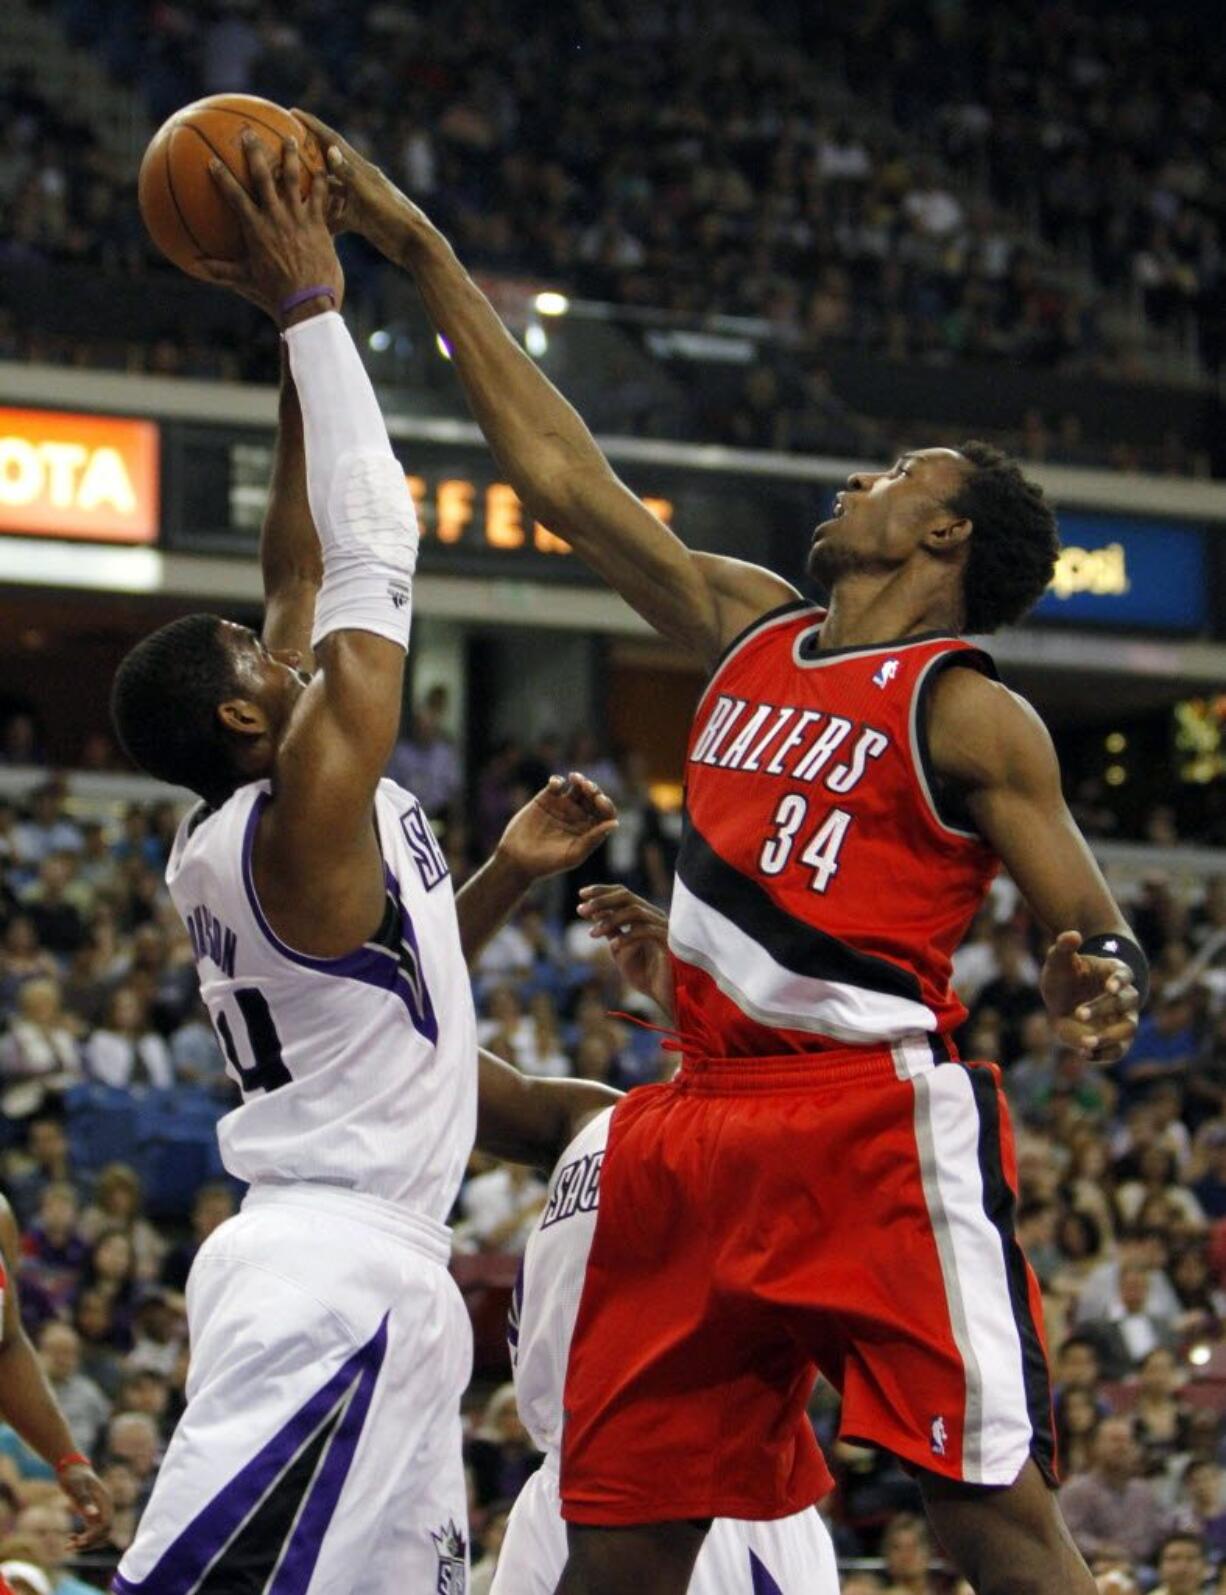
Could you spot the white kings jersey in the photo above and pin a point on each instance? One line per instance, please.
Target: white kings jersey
(358, 1072)
(546, 1299)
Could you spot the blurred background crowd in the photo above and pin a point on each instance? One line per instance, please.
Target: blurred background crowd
(1032, 185)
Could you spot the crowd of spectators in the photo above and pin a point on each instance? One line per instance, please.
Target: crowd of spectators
(935, 182)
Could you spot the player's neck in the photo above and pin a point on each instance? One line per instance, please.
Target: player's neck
(872, 606)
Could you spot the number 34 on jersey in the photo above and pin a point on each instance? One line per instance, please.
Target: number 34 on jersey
(820, 853)
(828, 750)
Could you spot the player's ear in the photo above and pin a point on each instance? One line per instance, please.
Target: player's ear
(242, 717)
(947, 536)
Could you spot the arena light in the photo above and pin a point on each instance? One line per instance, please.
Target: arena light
(1199, 1356)
(535, 340)
(551, 304)
(380, 340)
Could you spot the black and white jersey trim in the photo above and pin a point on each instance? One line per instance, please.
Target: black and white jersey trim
(789, 941)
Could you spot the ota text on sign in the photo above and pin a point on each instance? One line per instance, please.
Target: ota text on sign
(83, 476)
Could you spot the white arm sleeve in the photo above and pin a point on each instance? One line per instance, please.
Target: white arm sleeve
(360, 501)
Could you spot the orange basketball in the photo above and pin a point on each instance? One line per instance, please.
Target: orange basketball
(183, 208)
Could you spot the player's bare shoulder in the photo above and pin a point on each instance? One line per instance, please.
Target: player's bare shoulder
(981, 732)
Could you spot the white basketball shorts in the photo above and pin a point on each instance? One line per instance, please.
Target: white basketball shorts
(790, 1556)
(319, 1453)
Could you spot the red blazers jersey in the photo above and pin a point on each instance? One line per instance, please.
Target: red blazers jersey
(823, 884)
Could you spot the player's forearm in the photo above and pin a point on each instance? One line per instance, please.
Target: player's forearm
(486, 901)
(290, 559)
(545, 449)
(28, 1405)
(289, 545)
(524, 1119)
(540, 440)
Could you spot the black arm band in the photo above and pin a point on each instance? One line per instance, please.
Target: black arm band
(1113, 945)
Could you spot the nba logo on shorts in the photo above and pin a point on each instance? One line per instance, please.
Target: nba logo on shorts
(450, 1544)
(939, 1435)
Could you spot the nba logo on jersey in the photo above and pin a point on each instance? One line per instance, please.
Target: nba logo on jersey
(450, 1545)
(939, 1436)
(886, 674)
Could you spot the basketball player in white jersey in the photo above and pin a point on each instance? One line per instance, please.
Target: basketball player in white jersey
(567, 1122)
(319, 1453)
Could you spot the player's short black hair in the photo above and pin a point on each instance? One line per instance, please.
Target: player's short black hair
(164, 703)
(1014, 542)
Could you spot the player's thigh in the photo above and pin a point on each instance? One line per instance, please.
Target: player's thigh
(787, 1556)
(404, 1525)
(1019, 1527)
(420, 1540)
(278, 1398)
(935, 1315)
(534, 1547)
(300, 1437)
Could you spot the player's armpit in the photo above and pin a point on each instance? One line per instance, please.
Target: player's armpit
(525, 1119)
(992, 749)
(742, 592)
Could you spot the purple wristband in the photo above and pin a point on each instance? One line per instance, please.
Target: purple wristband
(320, 290)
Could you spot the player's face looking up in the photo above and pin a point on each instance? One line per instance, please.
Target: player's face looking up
(882, 518)
(269, 685)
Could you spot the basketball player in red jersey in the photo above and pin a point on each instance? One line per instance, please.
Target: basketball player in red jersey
(823, 1183)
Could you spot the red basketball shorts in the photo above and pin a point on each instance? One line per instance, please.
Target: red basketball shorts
(763, 1218)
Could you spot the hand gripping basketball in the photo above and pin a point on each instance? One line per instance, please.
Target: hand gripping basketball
(285, 236)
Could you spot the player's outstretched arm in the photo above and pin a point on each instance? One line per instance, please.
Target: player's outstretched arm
(28, 1405)
(992, 747)
(316, 860)
(548, 454)
(290, 559)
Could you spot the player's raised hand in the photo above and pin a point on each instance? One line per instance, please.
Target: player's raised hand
(1093, 1002)
(361, 197)
(637, 934)
(565, 822)
(91, 1501)
(288, 245)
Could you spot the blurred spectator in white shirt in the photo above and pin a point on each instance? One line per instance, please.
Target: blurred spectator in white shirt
(124, 1051)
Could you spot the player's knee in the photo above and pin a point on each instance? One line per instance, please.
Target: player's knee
(655, 1559)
